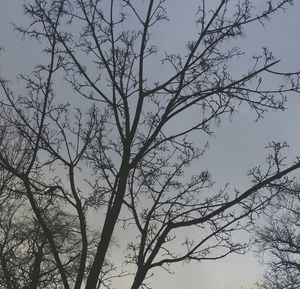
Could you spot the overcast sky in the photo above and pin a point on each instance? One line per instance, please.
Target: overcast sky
(236, 146)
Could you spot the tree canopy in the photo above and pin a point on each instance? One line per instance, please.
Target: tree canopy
(123, 151)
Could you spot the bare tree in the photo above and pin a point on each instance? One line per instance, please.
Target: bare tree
(121, 152)
(279, 241)
(26, 260)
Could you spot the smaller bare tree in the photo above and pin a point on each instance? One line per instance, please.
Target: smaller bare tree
(279, 242)
(26, 259)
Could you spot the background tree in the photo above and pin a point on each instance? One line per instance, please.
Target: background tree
(26, 259)
(25, 256)
(279, 242)
(123, 153)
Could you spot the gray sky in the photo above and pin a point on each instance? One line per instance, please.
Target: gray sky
(236, 146)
